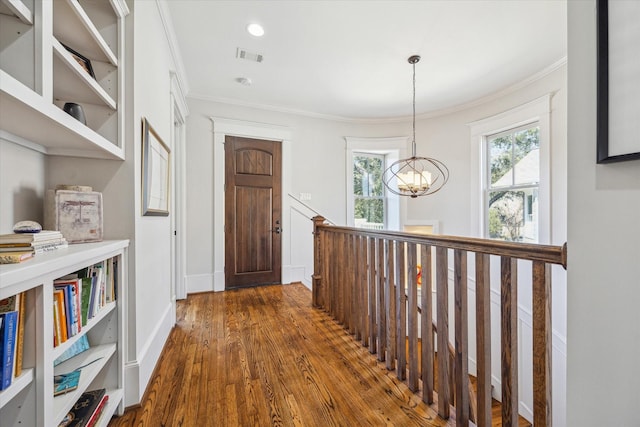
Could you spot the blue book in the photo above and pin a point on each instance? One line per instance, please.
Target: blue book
(8, 329)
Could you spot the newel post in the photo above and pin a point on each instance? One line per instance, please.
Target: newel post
(317, 295)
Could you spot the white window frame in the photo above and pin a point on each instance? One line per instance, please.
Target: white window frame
(538, 110)
(392, 148)
(384, 196)
(513, 187)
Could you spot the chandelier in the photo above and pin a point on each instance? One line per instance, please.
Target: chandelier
(415, 176)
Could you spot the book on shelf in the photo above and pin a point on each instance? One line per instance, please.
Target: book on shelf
(15, 257)
(96, 414)
(78, 347)
(84, 408)
(42, 236)
(16, 303)
(61, 321)
(73, 291)
(8, 333)
(65, 383)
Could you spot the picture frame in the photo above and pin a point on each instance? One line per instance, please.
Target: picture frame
(84, 62)
(156, 167)
(618, 81)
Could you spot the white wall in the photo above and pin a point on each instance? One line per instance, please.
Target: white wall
(603, 348)
(154, 310)
(22, 185)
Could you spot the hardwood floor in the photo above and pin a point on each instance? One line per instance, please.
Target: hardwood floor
(263, 357)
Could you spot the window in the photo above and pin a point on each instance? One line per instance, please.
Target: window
(365, 200)
(513, 176)
(510, 167)
(368, 191)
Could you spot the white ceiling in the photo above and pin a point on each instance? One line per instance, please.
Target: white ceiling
(349, 58)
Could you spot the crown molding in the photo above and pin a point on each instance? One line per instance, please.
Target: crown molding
(400, 119)
(181, 75)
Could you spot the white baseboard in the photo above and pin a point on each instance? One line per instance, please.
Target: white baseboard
(137, 373)
(199, 283)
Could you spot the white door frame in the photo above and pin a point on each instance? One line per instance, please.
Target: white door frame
(179, 111)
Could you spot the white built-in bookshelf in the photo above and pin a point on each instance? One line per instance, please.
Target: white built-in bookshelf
(38, 75)
(29, 400)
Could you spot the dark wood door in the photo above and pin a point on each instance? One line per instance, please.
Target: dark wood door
(253, 200)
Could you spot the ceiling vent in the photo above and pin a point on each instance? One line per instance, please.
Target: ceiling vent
(250, 56)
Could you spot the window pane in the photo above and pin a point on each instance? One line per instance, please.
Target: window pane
(369, 213)
(513, 215)
(367, 175)
(526, 156)
(500, 160)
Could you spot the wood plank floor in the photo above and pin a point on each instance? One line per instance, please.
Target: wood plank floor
(263, 357)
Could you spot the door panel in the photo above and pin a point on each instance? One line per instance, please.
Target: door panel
(252, 212)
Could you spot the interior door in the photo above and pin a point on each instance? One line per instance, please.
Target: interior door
(253, 203)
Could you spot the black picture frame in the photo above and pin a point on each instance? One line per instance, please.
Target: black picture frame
(84, 62)
(156, 167)
(604, 86)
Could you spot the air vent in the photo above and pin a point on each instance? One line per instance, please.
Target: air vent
(250, 56)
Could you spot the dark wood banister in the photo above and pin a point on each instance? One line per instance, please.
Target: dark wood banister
(533, 252)
(354, 265)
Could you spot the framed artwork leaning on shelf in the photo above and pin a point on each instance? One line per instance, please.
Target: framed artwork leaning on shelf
(85, 63)
(156, 165)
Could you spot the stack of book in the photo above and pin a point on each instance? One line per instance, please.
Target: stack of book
(78, 297)
(14, 246)
(12, 318)
(87, 410)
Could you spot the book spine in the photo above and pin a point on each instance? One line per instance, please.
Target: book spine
(8, 343)
(20, 335)
(96, 414)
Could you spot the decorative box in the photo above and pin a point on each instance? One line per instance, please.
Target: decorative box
(76, 214)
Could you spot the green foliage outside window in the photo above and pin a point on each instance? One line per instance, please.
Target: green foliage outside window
(368, 188)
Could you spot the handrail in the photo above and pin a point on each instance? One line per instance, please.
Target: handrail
(309, 207)
(367, 280)
(527, 251)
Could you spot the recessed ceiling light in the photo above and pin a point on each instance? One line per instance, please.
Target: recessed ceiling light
(244, 81)
(255, 30)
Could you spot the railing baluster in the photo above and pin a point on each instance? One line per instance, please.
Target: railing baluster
(373, 332)
(364, 289)
(380, 310)
(442, 286)
(401, 314)
(426, 318)
(483, 339)
(509, 341)
(461, 338)
(541, 344)
(356, 289)
(360, 279)
(390, 306)
(412, 313)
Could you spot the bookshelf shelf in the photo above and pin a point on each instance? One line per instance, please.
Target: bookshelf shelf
(105, 311)
(38, 75)
(72, 83)
(17, 9)
(73, 27)
(29, 400)
(101, 355)
(18, 384)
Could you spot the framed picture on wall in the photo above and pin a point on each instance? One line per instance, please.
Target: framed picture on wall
(618, 128)
(156, 165)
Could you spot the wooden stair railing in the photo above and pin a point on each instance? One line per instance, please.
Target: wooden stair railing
(366, 280)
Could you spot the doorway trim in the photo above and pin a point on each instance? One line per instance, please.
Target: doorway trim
(221, 128)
